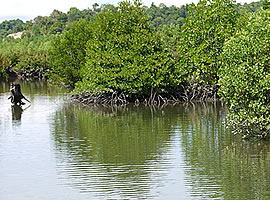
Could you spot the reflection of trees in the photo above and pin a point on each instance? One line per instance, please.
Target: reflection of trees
(30, 87)
(219, 165)
(119, 152)
(113, 151)
(247, 170)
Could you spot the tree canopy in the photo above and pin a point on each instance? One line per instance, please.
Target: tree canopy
(67, 53)
(203, 34)
(245, 79)
(126, 54)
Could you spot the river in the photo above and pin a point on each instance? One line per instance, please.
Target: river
(52, 149)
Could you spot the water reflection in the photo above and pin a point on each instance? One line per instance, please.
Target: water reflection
(180, 151)
(116, 152)
(31, 87)
(16, 112)
(39, 92)
(247, 170)
(203, 140)
(220, 165)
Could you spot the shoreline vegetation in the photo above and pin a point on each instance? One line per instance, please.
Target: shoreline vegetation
(114, 55)
(187, 94)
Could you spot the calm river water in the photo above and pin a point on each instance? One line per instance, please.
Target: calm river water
(55, 150)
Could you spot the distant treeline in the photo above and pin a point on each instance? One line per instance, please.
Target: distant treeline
(59, 21)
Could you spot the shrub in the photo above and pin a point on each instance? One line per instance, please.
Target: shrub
(67, 53)
(4, 65)
(204, 32)
(245, 79)
(26, 54)
(126, 55)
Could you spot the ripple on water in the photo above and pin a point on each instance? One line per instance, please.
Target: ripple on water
(119, 180)
(62, 151)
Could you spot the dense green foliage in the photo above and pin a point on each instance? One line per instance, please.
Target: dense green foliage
(26, 54)
(204, 32)
(245, 78)
(4, 65)
(126, 55)
(163, 15)
(266, 4)
(11, 26)
(248, 7)
(59, 21)
(67, 53)
(187, 51)
(171, 36)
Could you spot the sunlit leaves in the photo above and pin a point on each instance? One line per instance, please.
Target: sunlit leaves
(125, 54)
(204, 32)
(4, 64)
(245, 78)
(67, 54)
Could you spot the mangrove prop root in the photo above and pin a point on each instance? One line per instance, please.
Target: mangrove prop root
(189, 93)
(199, 92)
(121, 99)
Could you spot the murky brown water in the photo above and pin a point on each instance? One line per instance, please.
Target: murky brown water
(55, 150)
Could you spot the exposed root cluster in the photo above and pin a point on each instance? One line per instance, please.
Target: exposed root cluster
(188, 93)
(100, 98)
(199, 92)
(115, 99)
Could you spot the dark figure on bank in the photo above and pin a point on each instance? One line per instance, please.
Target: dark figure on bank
(17, 95)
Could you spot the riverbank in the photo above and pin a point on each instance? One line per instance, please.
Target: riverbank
(27, 73)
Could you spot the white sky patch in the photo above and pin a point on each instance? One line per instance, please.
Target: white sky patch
(40, 7)
(28, 9)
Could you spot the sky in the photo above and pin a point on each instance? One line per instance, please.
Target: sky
(29, 9)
